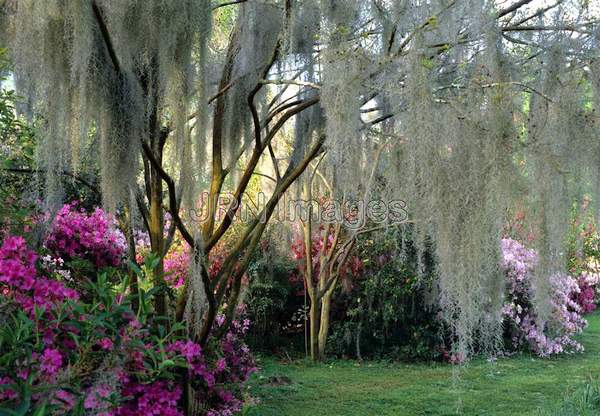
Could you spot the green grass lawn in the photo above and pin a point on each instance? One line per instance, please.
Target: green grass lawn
(520, 385)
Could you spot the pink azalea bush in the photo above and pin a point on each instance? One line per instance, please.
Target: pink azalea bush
(19, 279)
(76, 234)
(586, 297)
(100, 356)
(177, 265)
(524, 329)
(176, 262)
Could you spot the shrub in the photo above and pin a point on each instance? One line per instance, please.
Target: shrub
(522, 326)
(272, 298)
(177, 265)
(177, 260)
(77, 235)
(388, 312)
(587, 296)
(61, 355)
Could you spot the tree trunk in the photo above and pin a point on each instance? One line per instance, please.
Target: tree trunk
(314, 329)
(157, 242)
(133, 278)
(324, 327)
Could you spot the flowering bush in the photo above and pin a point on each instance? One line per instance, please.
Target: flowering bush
(94, 237)
(19, 280)
(233, 367)
(177, 265)
(586, 297)
(69, 357)
(177, 260)
(555, 336)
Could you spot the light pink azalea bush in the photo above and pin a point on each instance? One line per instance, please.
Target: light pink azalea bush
(523, 327)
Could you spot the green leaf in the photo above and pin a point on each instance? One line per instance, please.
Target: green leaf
(135, 268)
(40, 411)
(166, 364)
(151, 261)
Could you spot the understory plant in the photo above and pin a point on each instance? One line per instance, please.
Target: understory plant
(65, 354)
(523, 326)
(389, 309)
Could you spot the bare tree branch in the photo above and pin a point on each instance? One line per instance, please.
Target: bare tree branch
(173, 208)
(106, 36)
(229, 3)
(512, 8)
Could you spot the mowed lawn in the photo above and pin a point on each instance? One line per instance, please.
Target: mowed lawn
(519, 385)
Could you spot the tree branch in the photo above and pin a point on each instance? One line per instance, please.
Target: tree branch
(173, 209)
(569, 28)
(254, 159)
(290, 82)
(512, 8)
(79, 179)
(229, 3)
(106, 36)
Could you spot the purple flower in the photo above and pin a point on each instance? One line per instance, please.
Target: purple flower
(51, 361)
(106, 343)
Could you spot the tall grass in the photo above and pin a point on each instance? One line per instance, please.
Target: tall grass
(584, 401)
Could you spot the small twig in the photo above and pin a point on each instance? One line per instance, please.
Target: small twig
(229, 3)
(570, 28)
(264, 175)
(520, 84)
(290, 82)
(538, 13)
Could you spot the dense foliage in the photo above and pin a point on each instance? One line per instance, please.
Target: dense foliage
(556, 334)
(64, 355)
(389, 311)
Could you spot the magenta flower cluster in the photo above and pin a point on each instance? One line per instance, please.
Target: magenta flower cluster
(39, 298)
(19, 280)
(231, 370)
(137, 383)
(586, 298)
(75, 234)
(524, 325)
(176, 262)
(177, 266)
(157, 398)
(218, 382)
